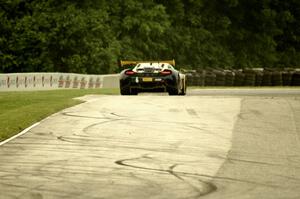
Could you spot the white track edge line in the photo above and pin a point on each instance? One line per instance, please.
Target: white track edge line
(19, 134)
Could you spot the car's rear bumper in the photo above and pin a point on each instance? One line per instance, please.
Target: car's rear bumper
(149, 83)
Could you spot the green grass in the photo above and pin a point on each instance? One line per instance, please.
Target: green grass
(18, 110)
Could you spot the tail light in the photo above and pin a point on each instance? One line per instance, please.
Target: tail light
(166, 72)
(129, 72)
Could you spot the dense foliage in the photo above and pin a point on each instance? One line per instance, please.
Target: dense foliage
(89, 36)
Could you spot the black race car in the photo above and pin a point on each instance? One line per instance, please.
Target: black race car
(151, 76)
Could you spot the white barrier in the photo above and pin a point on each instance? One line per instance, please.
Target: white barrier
(111, 81)
(51, 81)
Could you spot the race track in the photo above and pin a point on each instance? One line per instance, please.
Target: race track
(203, 145)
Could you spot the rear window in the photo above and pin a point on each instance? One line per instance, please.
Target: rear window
(148, 65)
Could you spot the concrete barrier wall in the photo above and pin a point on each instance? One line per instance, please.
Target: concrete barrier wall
(51, 81)
(111, 81)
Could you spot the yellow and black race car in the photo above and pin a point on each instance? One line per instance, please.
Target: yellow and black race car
(151, 76)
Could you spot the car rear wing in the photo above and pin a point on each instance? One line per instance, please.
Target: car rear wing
(123, 63)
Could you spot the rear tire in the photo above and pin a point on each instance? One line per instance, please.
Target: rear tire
(125, 91)
(128, 91)
(173, 91)
(183, 90)
(133, 92)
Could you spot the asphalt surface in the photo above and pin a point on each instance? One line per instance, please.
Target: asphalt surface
(201, 145)
(247, 92)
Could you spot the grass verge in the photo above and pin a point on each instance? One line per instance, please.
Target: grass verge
(18, 110)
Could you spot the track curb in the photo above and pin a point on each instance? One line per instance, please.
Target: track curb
(19, 134)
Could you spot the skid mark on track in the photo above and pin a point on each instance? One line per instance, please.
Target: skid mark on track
(115, 114)
(210, 186)
(127, 118)
(192, 112)
(207, 188)
(204, 189)
(85, 129)
(83, 116)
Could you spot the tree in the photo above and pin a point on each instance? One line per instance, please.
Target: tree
(89, 36)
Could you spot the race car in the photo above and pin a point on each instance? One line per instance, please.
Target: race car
(151, 76)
